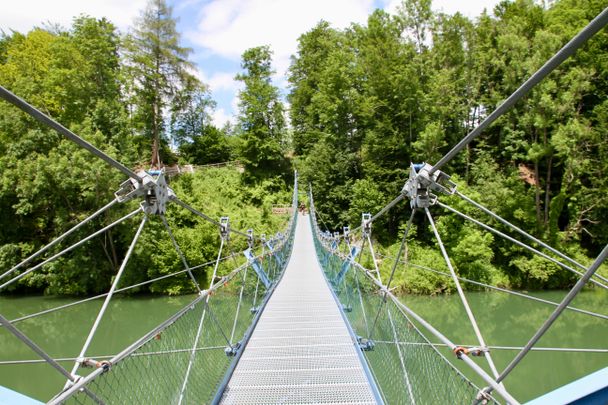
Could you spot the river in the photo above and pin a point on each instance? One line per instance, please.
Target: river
(504, 320)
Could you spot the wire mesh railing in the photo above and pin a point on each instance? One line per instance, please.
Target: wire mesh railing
(408, 369)
(186, 359)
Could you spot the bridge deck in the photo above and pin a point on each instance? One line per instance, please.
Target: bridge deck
(301, 350)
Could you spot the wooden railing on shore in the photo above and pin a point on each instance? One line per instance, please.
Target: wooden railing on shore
(181, 169)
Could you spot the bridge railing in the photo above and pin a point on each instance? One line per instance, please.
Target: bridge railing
(408, 369)
(189, 357)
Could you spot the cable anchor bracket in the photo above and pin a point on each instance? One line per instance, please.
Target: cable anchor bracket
(366, 224)
(152, 188)
(225, 228)
(421, 184)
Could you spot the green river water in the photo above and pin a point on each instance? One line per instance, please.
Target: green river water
(504, 321)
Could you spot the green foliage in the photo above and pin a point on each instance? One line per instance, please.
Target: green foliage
(209, 146)
(262, 126)
(369, 99)
(48, 184)
(365, 101)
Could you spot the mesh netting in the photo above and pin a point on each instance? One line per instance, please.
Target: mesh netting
(407, 369)
(185, 359)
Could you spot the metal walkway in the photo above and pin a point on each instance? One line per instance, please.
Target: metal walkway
(301, 350)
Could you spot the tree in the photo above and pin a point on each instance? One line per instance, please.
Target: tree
(159, 71)
(261, 121)
(47, 183)
(305, 77)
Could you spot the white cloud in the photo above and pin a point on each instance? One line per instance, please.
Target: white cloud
(223, 81)
(23, 15)
(228, 27)
(219, 81)
(220, 117)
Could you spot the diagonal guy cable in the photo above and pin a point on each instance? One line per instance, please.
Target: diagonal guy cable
(593, 27)
(408, 312)
(493, 287)
(388, 284)
(200, 326)
(48, 359)
(44, 119)
(71, 304)
(384, 210)
(556, 313)
(59, 238)
(111, 292)
(527, 235)
(180, 253)
(463, 298)
(204, 216)
(74, 246)
(521, 244)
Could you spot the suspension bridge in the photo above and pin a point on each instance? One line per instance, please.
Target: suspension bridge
(302, 321)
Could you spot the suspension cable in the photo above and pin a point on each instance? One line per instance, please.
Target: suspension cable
(521, 244)
(384, 210)
(463, 298)
(492, 287)
(388, 284)
(59, 238)
(506, 348)
(200, 324)
(45, 357)
(71, 304)
(106, 356)
(111, 292)
(556, 313)
(464, 357)
(74, 246)
(593, 27)
(204, 216)
(527, 235)
(44, 119)
(180, 253)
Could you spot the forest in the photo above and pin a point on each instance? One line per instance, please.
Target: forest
(363, 103)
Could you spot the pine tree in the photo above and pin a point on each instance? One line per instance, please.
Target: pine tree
(159, 69)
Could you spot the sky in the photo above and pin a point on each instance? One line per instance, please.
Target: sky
(219, 31)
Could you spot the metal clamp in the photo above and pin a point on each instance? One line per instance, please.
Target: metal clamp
(366, 224)
(250, 240)
(225, 228)
(104, 364)
(367, 345)
(421, 182)
(232, 351)
(470, 351)
(154, 190)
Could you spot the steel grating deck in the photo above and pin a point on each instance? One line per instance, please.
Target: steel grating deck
(301, 351)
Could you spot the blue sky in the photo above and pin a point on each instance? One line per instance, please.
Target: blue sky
(219, 31)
